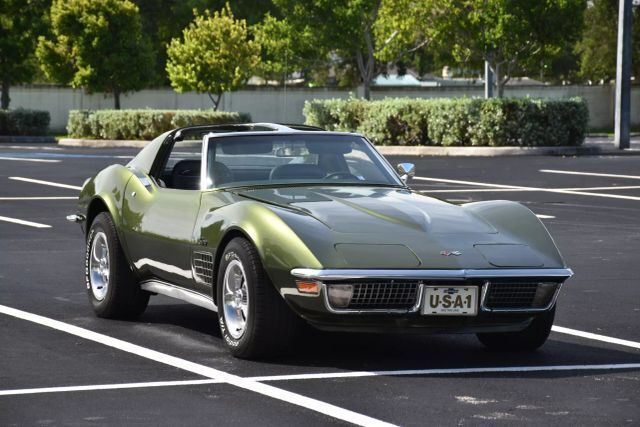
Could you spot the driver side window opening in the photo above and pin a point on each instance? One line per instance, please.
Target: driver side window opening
(182, 169)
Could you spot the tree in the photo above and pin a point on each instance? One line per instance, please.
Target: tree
(282, 50)
(21, 21)
(352, 35)
(598, 46)
(164, 20)
(342, 28)
(513, 35)
(214, 56)
(97, 45)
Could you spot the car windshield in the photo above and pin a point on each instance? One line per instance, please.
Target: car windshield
(301, 158)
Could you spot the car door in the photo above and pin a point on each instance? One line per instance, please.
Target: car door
(159, 214)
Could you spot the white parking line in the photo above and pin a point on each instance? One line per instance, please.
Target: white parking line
(330, 375)
(205, 371)
(596, 337)
(30, 147)
(23, 222)
(477, 190)
(105, 387)
(497, 369)
(496, 190)
(49, 183)
(607, 175)
(25, 159)
(541, 216)
(614, 187)
(38, 198)
(516, 187)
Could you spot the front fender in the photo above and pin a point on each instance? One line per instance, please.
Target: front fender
(520, 224)
(279, 247)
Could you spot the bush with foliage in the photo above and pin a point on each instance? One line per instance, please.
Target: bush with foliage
(24, 122)
(456, 121)
(142, 124)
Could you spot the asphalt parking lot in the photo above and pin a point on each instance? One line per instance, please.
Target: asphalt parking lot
(170, 367)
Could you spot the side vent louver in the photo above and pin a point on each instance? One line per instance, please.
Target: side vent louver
(203, 267)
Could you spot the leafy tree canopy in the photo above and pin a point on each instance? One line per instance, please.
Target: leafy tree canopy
(21, 21)
(341, 32)
(598, 46)
(97, 45)
(284, 51)
(214, 56)
(164, 20)
(513, 35)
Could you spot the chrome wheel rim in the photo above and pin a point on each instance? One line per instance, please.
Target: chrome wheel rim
(236, 299)
(99, 266)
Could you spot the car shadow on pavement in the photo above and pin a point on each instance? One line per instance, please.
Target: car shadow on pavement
(325, 351)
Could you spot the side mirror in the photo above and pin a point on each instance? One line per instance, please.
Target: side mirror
(406, 171)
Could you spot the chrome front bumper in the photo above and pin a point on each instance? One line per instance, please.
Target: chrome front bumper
(329, 275)
(344, 274)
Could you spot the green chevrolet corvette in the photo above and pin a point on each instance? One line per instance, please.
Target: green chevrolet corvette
(279, 227)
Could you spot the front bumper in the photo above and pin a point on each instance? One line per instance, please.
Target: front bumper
(318, 311)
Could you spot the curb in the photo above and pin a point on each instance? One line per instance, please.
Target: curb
(27, 139)
(101, 143)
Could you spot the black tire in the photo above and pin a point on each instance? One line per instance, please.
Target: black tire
(529, 339)
(123, 298)
(270, 326)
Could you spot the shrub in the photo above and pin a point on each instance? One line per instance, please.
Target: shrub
(142, 124)
(24, 122)
(456, 121)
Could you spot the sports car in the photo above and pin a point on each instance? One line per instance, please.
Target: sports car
(282, 227)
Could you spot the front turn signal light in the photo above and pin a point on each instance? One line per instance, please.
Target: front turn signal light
(308, 287)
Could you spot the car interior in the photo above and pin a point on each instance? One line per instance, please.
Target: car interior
(252, 161)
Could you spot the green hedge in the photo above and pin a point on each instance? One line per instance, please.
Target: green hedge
(142, 124)
(456, 121)
(24, 122)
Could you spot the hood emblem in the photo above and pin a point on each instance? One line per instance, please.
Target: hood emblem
(452, 253)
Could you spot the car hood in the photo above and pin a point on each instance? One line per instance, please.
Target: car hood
(374, 227)
(356, 210)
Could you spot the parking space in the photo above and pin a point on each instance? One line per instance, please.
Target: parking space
(177, 370)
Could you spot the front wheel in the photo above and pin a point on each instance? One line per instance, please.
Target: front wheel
(111, 286)
(529, 339)
(254, 320)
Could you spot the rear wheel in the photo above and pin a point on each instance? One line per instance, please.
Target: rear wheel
(254, 320)
(529, 339)
(112, 288)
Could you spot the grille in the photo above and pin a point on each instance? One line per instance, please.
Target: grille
(394, 295)
(513, 295)
(203, 267)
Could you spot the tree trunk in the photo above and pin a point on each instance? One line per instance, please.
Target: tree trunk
(5, 94)
(367, 90)
(497, 78)
(501, 85)
(216, 100)
(366, 73)
(116, 99)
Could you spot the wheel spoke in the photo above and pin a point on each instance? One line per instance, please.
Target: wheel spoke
(235, 299)
(99, 266)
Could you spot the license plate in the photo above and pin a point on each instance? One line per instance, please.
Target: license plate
(450, 301)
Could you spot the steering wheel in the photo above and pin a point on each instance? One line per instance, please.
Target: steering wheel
(340, 174)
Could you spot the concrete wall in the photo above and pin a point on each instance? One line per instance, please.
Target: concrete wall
(285, 106)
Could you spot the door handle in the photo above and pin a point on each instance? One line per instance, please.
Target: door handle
(133, 194)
